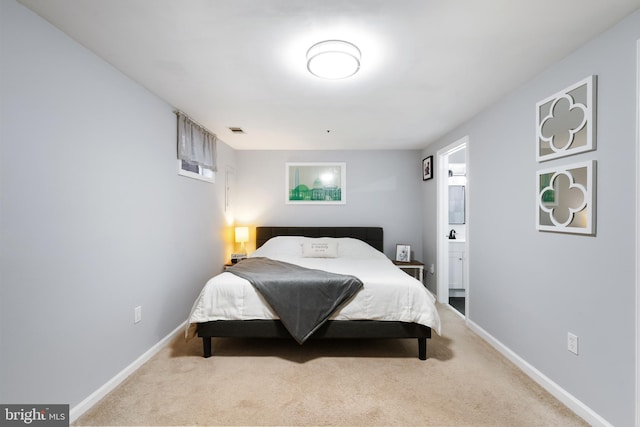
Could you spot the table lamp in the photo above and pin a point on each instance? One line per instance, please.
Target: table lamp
(242, 236)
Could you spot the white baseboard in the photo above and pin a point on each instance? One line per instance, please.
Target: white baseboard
(86, 404)
(558, 392)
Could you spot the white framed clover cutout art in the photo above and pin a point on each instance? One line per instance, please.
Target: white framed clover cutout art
(566, 121)
(566, 198)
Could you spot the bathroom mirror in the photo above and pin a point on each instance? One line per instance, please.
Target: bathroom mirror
(566, 198)
(565, 121)
(456, 204)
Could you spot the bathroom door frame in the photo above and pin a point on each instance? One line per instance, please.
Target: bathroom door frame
(442, 219)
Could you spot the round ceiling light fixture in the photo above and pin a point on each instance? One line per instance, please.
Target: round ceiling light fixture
(333, 59)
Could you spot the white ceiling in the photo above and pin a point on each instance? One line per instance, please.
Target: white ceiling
(427, 65)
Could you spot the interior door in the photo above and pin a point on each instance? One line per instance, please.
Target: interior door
(451, 269)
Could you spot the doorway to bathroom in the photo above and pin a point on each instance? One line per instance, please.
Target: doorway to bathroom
(453, 220)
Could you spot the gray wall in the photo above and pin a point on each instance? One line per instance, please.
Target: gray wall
(94, 218)
(529, 288)
(383, 189)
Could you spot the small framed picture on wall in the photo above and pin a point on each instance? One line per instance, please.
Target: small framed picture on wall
(427, 168)
(403, 253)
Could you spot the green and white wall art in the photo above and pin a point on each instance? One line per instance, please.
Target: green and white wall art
(316, 183)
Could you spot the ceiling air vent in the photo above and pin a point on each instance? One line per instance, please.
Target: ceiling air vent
(236, 130)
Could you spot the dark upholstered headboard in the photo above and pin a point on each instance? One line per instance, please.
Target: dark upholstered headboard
(370, 235)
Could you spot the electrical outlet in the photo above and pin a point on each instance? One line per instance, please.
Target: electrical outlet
(432, 269)
(137, 314)
(572, 343)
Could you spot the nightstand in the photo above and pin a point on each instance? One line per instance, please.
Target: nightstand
(413, 266)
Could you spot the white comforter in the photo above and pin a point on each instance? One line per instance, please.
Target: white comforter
(388, 293)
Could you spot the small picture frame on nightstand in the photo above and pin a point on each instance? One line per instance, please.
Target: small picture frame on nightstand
(403, 253)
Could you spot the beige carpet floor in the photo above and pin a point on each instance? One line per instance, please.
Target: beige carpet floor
(464, 382)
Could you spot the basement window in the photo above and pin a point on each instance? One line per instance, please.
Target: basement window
(194, 171)
(197, 149)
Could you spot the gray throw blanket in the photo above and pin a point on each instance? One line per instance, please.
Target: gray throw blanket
(303, 298)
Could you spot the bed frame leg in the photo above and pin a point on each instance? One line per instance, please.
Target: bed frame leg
(422, 348)
(206, 346)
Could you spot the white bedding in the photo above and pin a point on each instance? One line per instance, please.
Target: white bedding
(389, 294)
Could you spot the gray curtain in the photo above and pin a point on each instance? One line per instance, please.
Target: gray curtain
(196, 145)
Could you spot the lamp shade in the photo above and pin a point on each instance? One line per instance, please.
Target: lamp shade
(242, 234)
(333, 59)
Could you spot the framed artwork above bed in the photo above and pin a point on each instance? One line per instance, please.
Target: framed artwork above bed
(316, 183)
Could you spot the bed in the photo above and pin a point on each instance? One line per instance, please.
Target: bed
(390, 303)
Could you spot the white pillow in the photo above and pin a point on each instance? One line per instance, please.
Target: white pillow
(280, 246)
(319, 248)
(354, 248)
(292, 246)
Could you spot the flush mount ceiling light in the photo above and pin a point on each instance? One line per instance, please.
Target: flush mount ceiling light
(333, 59)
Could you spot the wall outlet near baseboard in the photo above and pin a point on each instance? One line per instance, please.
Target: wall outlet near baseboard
(572, 343)
(137, 314)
